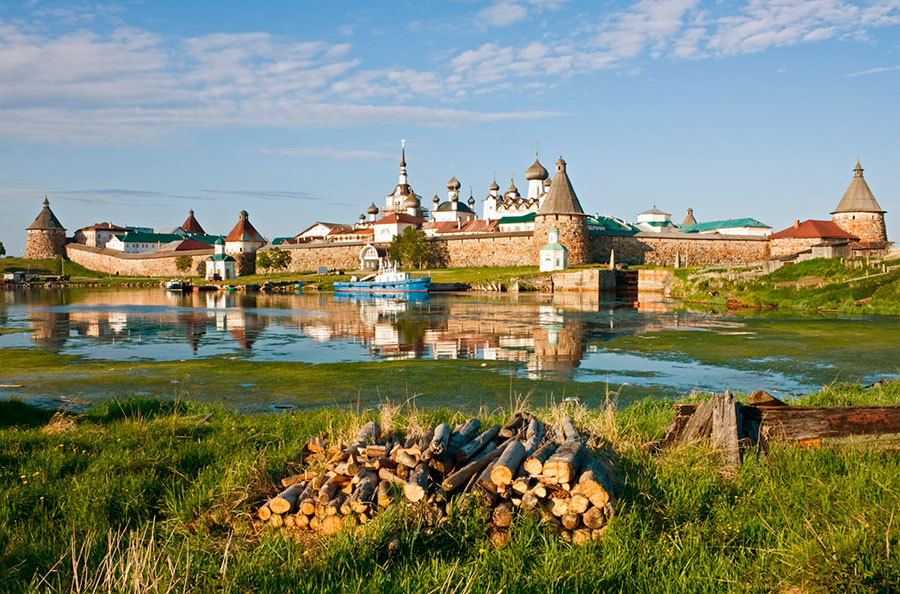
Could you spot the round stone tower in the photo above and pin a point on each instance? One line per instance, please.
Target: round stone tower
(858, 213)
(561, 209)
(242, 244)
(46, 237)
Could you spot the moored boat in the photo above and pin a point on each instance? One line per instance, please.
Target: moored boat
(388, 280)
(177, 285)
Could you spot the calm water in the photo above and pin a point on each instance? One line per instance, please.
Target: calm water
(578, 337)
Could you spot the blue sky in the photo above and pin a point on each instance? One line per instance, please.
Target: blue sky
(136, 112)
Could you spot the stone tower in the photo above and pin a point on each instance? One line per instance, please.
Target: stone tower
(858, 213)
(562, 210)
(46, 237)
(242, 244)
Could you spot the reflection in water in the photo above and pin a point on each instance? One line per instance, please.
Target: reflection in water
(558, 336)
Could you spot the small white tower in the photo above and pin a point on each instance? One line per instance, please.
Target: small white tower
(490, 202)
(554, 255)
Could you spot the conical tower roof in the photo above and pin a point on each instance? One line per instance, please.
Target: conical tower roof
(190, 224)
(561, 198)
(244, 231)
(689, 219)
(46, 220)
(858, 197)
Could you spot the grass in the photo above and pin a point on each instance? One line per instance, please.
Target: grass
(467, 384)
(135, 495)
(814, 285)
(47, 268)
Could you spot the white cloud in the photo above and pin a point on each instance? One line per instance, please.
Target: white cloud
(501, 14)
(875, 71)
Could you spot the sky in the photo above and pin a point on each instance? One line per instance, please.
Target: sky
(136, 112)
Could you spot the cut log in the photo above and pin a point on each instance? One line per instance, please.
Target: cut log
(330, 525)
(304, 476)
(502, 515)
(264, 512)
(562, 467)
(595, 484)
(364, 493)
(578, 504)
(403, 472)
(534, 464)
(315, 445)
(376, 451)
(464, 435)
(440, 440)
(529, 501)
(276, 521)
(384, 494)
(333, 507)
(407, 459)
(594, 518)
(539, 490)
(533, 436)
(369, 433)
(570, 521)
(415, 486)
(522, 484)
(329, 490)
(287, 500)
(443, 462)
(581, 535)
(559, 506)
(475, 465)
(570, 433)
(470, 449)
(386, 475)
(314, 523)
(726, 419)
(499, 537)
(699, 426)
(514, 426)
(308, 506)
(301, 521)
(507, 464)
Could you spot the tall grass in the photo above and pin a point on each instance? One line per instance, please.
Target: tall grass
(137, 495)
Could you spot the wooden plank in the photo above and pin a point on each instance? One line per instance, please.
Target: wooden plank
(726, 420)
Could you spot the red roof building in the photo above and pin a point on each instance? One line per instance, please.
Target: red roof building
(244, 231)
(191, 225)
(399, 217)
(813, 230)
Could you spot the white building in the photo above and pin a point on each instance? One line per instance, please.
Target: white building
(655, 221)
(244, 238)
(513, 204)
(554, 255)
(319, 230)
(393, 225)
(141, 243)
(220, 266)
(453, 209)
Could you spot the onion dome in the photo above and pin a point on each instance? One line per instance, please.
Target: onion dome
(471, 201)
(536, 171)
(412, 201)
(436, 199)
(372, 210)
(219, 241)
(512, 187)
(453, 184)
(362, 217)
(494, 186)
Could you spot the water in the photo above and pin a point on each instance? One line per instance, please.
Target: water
(564, 336)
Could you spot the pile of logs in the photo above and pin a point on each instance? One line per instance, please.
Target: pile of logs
(545, 471)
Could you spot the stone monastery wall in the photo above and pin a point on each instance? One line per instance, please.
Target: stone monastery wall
(695, 250)
(115, 262)
(496, 249)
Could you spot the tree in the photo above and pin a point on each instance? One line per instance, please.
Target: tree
(279, 259)
(264, 260)
(2, 249)
(410, 247)
(183, 264)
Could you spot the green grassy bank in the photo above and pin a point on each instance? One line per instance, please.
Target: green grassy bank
(253, 385)
(814, 285)
(136, 495)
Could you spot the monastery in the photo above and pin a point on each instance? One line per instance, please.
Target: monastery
(546, 226)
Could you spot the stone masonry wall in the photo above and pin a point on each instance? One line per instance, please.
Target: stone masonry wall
(695, 250)
(572, 234)
(114, 262)
(791, 245)
(44, 244)
(868, 226)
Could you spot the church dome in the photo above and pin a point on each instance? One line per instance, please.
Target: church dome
(372, 210)
(494, 186)
(536, 171)
(453, 184)
(436, 199)
(412, 201)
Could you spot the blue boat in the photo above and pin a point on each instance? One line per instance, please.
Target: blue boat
(388, 280)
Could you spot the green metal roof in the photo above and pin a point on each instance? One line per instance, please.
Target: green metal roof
(556, 247)
(726, 224)
(221, 258)
(610, 226)
(208, 239)
(280, 240)
(526, 218)
(658, 223)
(137, 237)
